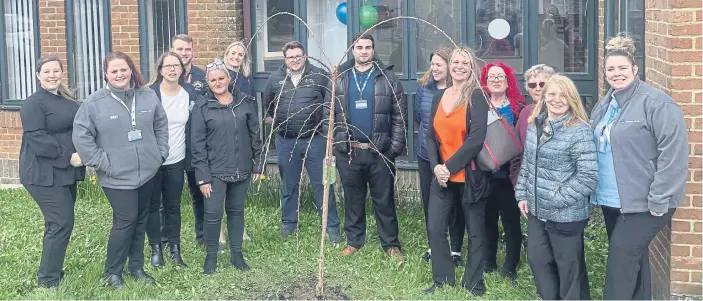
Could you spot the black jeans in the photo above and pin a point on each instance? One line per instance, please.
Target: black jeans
(457, 226)
(443, 202)
(627, 274)
(130, 211)
(227, 197)
(168, 188)
(367, 167)
(502, 204)
(56, 204)
(556, 256)
(198, 205)
(292, 154)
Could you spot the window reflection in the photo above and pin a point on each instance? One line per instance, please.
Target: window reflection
(445, 14)
(275, 33)
(330, 32)
(634, 26)
(561, 42)
(497, 39)
(389, 36)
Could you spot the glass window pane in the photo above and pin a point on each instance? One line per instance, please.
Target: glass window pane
(274, 34)
(20, 48)
(635, 28)
(90, 41)
(563, 35)
(329, 31)
(445, 14)
(499, 31)
(162, 24)
(388, 36)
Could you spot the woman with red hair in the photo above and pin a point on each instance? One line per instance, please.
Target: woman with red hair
(505, 100)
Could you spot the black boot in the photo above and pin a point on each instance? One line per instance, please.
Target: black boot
(141, 275)
(157, 256)
(210, 264)
(237, 260)
(114, 281)
(176, 255)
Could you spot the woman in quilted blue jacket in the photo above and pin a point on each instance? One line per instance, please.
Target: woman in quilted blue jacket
(558, 174)
(435, 79)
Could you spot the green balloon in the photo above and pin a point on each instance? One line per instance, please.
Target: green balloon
(368, 16)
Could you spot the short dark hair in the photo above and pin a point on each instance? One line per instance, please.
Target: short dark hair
(292, 45)
(183, 37)
(364, 36)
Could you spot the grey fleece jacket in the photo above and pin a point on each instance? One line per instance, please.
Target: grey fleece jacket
(100, 136)
(650, 147)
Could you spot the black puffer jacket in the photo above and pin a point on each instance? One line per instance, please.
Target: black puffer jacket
(297, 110)
(225, 141)
(390, 111)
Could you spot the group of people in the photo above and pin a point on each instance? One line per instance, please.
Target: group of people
(629, 158)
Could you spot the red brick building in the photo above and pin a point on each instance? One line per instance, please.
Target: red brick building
(669, 34)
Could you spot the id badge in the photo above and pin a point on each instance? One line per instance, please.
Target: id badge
(134, 135)
(601, 144)
(361, 104)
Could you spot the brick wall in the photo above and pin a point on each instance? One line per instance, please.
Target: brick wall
(214, 24)
(124, 24)
(673, 51)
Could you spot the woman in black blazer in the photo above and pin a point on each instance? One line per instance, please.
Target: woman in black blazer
(49, 164)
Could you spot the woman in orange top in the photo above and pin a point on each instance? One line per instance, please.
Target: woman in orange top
(455, 136)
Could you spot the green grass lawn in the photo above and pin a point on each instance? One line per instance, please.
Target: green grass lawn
(280, 268)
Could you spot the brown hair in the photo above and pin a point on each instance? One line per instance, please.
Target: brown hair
(183, 37)
(62, 90)
(292, 45)
(621, 45)
(156, 74)
(364, 36)
(444, 53)
(136, 79)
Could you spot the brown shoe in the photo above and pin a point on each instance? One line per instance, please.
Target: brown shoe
(349, 250)
(396, 254)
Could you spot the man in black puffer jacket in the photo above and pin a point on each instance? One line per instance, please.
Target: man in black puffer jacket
(370, 127)
(294, 96)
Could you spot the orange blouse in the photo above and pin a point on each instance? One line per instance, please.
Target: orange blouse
(450, 130)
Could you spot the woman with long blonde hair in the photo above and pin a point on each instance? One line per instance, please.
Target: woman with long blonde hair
(455, 136)
(238, 63)
(558, 174)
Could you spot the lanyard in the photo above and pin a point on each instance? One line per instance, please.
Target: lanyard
(361, 88)
(132, 113)
(611, 118)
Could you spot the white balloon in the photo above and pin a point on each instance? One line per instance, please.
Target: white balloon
(499, 28)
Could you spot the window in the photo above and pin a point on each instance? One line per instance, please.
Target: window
(331, 33)
(164, 19)
(388, 37)
(499, 31)
(276, 32)
(21, 49)
(445, 14)
(563, 35)
(88, 29)
(633, 24)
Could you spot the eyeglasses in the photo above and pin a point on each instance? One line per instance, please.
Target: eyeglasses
(534, 85)
(172, 66)
(217, 64)
(492, 78)
(294, 58)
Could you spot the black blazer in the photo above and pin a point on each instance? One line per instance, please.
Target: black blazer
(47, 146)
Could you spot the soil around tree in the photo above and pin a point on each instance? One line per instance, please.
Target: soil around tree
(304, 289)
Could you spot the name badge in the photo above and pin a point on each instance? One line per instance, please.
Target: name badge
(361, 104)
(601, 144)
(134, 135)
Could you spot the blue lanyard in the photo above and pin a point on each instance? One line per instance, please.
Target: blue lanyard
(361, 88)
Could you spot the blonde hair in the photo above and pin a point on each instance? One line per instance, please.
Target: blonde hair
(444, 53)
(543, 69)
(472, 82)
(245, 68)
(621, 45)
(578, 113)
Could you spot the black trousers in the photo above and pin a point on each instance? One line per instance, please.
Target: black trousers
(457, 226)
(227, 197)
(198, 205)
(57, 204)
(367, 167)
(168, 188)
(555, 252)
(627, 274)
(443, 202)
(502, 204)
(130, 211)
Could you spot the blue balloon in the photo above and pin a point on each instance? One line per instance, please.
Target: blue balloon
(342, 13)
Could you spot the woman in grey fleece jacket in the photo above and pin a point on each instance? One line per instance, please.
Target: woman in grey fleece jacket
(122, 132)
(557, 176)
(642, 144)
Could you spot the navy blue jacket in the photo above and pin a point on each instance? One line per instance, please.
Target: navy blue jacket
(197, 81)
(423, 112)
(192, 96)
